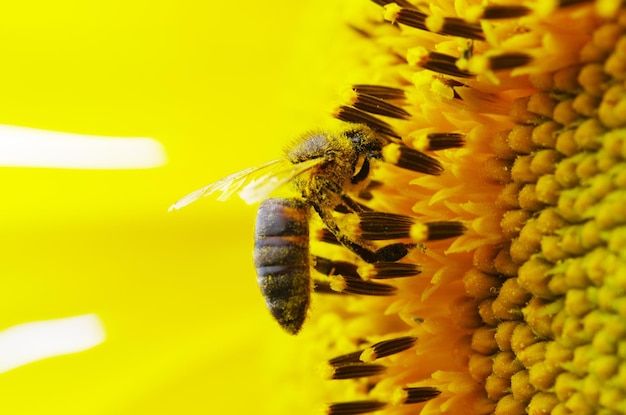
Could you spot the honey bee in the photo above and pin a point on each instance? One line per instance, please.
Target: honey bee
(324, 169)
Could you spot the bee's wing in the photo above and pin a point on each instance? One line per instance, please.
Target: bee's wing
(260, 186)
(252, 184)
(228, 185)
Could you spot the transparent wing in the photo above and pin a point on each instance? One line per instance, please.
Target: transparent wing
(251, 184)
(260, 186)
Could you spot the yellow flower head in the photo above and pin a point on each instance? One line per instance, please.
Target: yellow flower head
(525, 106)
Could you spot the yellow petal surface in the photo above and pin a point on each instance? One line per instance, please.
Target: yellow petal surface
(219, 87)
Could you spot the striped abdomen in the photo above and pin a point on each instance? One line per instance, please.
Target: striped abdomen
(281, 258)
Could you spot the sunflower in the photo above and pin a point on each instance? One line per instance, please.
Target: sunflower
(523, 313)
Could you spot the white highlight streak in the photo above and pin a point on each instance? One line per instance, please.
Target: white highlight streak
(29, 342)
(28, 147)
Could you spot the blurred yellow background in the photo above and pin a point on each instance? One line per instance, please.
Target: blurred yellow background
(222, 86)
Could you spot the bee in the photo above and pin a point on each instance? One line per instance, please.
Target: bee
(324, 169)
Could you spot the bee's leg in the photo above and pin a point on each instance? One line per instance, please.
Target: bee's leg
(363, 173)
(331, 188)
(389, 253)
(321, 185)
(350, 203)
(393, 252)
(342, 208)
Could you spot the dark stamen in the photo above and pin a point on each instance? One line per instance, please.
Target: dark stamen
(443, 64)
(365, 194)
(356, 116)
(326, 236)
(359, 31)
(353, 371)
(393, 252)
(423, 394)
(386, 270)
(328, 267)
(355, 407)
(508, 61)
(453, 84)
(346, 358)
(410, 159)
(504, 12)
(377, 350)
(361, 287)
(323, 287)
(393, 346)
(401, 3)
(411, 17)
(444, 229)
(454, 26)
(374, 185)
(442, 141)
(566, 3)
(374, 105)
(376, 226)
(383, 92)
